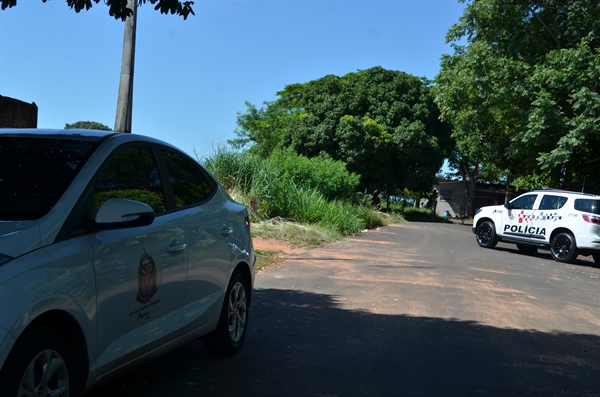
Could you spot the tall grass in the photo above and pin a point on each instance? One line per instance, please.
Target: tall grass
(276, 194)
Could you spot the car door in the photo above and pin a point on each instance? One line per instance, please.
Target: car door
(205, 218)
(140, 271)
(547, 216)
(518, 218)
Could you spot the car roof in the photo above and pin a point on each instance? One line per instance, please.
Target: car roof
(565, 192)
(88, 135)
(81, 134)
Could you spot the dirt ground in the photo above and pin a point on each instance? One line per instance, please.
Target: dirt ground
(262, 244)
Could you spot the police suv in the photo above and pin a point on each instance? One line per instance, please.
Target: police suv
(567, 223)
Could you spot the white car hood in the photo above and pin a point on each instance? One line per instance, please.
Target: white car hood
(19, 237)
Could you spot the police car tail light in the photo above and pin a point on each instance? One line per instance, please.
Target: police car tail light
(591, 219)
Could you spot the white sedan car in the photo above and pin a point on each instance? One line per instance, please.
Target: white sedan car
(114, 248)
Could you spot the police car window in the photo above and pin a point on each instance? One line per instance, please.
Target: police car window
(552, 202)
(588, 205)
(523, 202)
(190, 185)
(131, 174)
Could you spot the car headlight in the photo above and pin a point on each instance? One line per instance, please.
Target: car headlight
(478, 211)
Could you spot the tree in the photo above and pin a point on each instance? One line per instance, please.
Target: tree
(88, 125)
(265, 127)
(523, 94)
(383, 124)
(119, 10)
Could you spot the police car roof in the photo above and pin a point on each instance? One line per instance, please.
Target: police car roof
(565, 191)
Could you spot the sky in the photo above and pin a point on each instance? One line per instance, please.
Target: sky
(193, 76)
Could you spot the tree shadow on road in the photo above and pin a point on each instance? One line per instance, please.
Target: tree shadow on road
(307, 344)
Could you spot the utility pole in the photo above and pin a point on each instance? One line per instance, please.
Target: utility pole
(125, 98)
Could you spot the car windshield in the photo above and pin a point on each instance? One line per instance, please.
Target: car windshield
(35, 171)
(588, 205)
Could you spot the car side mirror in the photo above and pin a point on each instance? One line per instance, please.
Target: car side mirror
(507, 205)
(117, 213)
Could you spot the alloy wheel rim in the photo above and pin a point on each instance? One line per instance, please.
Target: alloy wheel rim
(484, 234)
(237, 311)
(562, 247)
(46, 375)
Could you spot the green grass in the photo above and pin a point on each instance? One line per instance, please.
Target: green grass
(279, 194)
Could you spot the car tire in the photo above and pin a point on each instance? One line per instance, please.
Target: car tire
(527, 249)
(596, 258)
(486, 235)
(229, 335)
(564, 248)
(40, 364)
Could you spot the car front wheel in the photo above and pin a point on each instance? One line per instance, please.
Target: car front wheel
(486, 235)
(41, 364)
(563, 248)
(229, 336)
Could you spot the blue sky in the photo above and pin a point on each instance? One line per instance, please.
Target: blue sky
(193, 76)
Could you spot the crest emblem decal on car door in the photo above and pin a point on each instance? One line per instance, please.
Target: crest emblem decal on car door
(146, 279)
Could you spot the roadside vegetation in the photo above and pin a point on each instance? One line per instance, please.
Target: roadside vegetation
(305, 202)
(310, 201)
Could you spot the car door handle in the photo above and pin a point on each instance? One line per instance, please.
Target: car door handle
(175, 248)
(227, 232)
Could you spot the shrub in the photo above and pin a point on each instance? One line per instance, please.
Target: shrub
(327, 176)
(293, 187)
(343, 218)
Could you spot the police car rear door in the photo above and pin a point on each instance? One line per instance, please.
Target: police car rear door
(548, 215)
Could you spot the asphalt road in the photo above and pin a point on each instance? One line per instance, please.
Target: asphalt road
(416, 309)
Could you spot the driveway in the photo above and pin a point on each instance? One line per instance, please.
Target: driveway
(415, 309)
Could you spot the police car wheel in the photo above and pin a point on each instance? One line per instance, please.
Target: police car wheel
(563, 248)
(527, 249)
(227, 339)
(486, 235)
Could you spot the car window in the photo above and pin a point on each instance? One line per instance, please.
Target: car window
(523, 202)
(131, 174)
(189, 183)
(36, 171)
(552, 202)
(588, 205)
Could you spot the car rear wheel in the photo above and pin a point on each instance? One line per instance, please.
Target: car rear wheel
(563, 248)
(229, 336)
(486, 235)
(527, 249)
(40, 364)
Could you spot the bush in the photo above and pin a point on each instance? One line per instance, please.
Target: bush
(292, 187)
(327, 176)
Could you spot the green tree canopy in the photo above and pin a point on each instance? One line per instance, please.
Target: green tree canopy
(87, 125)
(383, 124)
(118, 8)
(522, 95)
